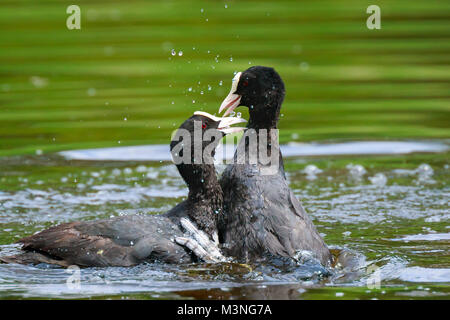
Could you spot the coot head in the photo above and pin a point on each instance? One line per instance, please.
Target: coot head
(259, 88)
(207, 121)
(203, 130)
(193, 144)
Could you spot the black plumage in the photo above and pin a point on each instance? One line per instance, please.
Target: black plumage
(130, 240)
(261, 216)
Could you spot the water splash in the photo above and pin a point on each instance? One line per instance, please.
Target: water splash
(378, 180)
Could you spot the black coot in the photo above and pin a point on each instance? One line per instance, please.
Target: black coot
(261, 216)
(130, 240)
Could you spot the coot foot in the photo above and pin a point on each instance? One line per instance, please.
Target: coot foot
(199, 243)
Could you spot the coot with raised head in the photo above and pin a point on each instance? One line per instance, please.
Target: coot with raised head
(184, 234)
(261, 216)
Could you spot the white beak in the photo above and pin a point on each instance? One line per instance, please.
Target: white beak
(224, 122)
(232, 100)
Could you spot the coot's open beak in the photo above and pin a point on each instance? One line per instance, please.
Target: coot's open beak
(232, 100)
(225, 123)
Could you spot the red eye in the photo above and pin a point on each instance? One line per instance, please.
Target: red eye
(245, 83)
(203, 125)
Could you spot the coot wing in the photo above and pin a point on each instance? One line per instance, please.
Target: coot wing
(121, 241)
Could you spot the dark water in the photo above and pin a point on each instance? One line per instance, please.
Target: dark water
(389, 214)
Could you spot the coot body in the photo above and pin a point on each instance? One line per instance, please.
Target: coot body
(130, 240)
(262, 216)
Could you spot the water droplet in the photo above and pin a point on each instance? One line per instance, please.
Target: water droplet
(109, 51)
(91, 92)
(38, 82)
(356, 171)
(378, 180)
(425, 172)
(152, 175)
(220, 82)
(311, 172)
(173, 52)
(304, 66)
(190, 89)
(180, 53)
(425, 168)
(141, 168)
(239, 115)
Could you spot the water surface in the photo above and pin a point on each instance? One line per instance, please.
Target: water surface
(389, 211)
